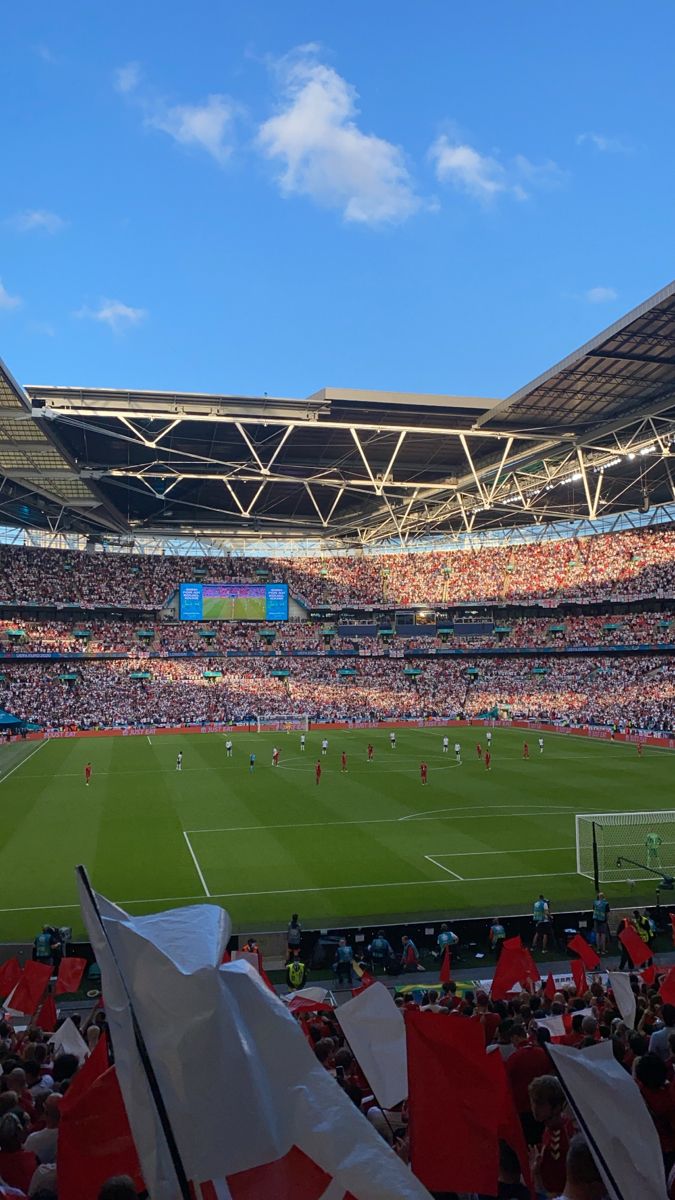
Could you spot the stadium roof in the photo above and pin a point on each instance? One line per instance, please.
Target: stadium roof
(592, 436)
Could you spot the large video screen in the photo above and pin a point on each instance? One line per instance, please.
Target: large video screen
(233, 601)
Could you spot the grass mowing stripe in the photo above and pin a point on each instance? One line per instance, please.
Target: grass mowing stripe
(24, 760)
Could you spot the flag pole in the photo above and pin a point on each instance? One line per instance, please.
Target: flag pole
(583, 1126)
(146, 1063)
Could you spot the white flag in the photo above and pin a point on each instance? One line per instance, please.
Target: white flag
(249, 1105)
(624, 996)
(613, 1116)
(136, 1092)
(375, 1030)
(69, 1040)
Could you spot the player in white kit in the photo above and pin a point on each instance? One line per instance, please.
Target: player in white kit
(392, 740)
(446, 745)
(302, 742)
(324, 746)
(228, 747)
(179, 761)
(540, 743)
(458, 753)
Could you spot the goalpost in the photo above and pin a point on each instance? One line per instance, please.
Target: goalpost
(647, 839)
(284, 724)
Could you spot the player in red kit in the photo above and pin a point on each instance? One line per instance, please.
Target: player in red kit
(488, 760)
(275, 757)
(423, 773)
(526, 750)
(479, 750)
(370, 752)
(87, 773)
(317, 770)
(343, 761)
(639, 749)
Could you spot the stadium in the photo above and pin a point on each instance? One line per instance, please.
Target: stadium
(337, 724)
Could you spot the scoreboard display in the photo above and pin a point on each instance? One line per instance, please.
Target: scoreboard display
(233, 601)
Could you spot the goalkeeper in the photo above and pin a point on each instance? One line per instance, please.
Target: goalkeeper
(652, 844)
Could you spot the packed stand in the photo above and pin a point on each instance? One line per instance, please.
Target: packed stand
(623, 566)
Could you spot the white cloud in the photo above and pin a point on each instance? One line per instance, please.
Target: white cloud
(116, 315)
(209, 126)
(485, 177)
(7, 302)
(323, 152)
(465, 168)
(606, 145)
(127, 78)
(600, 295)
(37, 218)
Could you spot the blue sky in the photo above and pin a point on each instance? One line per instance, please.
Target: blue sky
(265, 197)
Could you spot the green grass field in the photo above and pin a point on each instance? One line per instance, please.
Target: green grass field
(372, 843)
(228, 608)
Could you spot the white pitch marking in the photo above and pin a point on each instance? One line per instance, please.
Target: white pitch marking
(24, 760)
(195, 861)
(432, 812)
(347, 887)
(489, 853)
(472, 816)
(148, 737)
(437, 864)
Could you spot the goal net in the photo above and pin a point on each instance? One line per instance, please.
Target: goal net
(284, 724)
(644, 841)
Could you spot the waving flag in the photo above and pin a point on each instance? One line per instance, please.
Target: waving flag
(183, 1028)
(614, 1118)
(454, 1106)
(586, 953)
(10, 974)
(31, 987)
(373, 1026)
(639, 952)
(70, 975)
(95, 1140)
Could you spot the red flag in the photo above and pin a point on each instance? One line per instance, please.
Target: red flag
(550, 988)
(31, 987)
(586, 953)
(510, 1129)
(649, 975)
(579, 976)
(367, 980)
(638, 950)
(516, 965)
(10, 974)
(667, 989)
(46, 1016)
(94, 1137)
(70, 975)
(293, 1176)
(451, 1087)
(444, 976)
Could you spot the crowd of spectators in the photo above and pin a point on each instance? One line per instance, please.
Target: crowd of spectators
(105, 636)
(632, 565)
(36, 1077)
(518, 1029)
(636, 692)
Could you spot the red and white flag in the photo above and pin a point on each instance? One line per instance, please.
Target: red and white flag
(225, 1099)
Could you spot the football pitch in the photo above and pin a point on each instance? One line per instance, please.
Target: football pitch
(371, 844)
(234, 608)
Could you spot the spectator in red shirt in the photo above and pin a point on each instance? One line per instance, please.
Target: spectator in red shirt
(17, 1166)
(547, 1101)
(651, 1076)
(527, 1063)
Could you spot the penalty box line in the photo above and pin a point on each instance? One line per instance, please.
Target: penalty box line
(341, 887)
